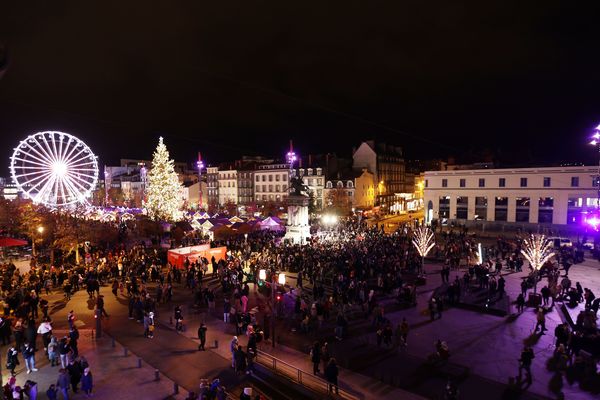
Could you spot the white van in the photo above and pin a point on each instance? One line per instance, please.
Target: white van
(560, 242)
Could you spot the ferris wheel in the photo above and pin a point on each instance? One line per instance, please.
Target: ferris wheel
(54, 168)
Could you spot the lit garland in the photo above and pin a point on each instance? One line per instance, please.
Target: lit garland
(423, 240)
(537, 250)
(163, 191)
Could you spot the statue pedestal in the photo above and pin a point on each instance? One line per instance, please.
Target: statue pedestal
(297, 234)
(297, 228)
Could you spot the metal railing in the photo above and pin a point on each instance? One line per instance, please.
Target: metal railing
(306, 379)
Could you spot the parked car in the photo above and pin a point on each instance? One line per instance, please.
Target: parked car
(560, 242)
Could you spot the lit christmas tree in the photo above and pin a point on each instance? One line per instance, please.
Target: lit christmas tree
(163, 190)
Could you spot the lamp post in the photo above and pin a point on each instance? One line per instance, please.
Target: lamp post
(40, 230)
(281, 281)
(200, 165)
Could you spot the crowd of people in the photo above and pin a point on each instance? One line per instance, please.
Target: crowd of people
(25, 319)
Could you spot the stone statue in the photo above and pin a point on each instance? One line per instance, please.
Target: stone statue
(298, 188)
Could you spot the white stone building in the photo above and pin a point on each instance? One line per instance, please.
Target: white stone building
(271, 183)
(548, 195)
(228, 188)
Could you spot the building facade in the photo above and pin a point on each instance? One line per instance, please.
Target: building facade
(364, 192)
(271, 183)
(386, 163)
(549, 195)
(212, 187)
(245, 181)
(228, 188)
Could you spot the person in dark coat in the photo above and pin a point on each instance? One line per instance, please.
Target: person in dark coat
(12, 360)
(315, 357)
(202, 336)
(87, 382)
(73, 338)
(74, 369)
(240, 360)
(331, 374)
(4, 331)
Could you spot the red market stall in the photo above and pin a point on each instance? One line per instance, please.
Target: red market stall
(177, 257)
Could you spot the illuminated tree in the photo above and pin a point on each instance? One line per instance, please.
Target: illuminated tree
(538, 251)
(163, 191)
(423, 240)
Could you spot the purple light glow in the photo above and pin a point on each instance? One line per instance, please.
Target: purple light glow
(593, 221)
(291, 157)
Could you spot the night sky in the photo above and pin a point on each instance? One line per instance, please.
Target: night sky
(519, 82)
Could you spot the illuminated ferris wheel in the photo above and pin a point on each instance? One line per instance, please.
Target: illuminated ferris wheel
(54, 168)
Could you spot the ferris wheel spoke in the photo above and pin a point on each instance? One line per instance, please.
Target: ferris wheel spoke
(54, 150)
(62, 190)
(71, 149)
(42, 161)
(75, 180)
(41, 194)
(33, 173)
(43, 147)
(39, 151)
(80, 163)
(76, 195)
(28, 167)
(74, 158)
(41, 176)
(71, 193)
(79, 174)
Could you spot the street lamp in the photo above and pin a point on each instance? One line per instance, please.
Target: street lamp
(200, 165)
(274, 292)
(40, 230)
(593, 220)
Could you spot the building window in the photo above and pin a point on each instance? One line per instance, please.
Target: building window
(501, 182)
(270, 188)
(463, 182)
(350, 184)
(340, 185)
(284, 188)
(444, 209)
(329, 185)
(462, 204)
(277, 177)
(501, 208)
(546, 209)
(481, 182)
(522, 214)
(480, 208)
(444, 182)
(547, 181)
(574, 181)
(264, 178)
(426, 182)
(277, 187)
(271, 178)
(523, 182)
